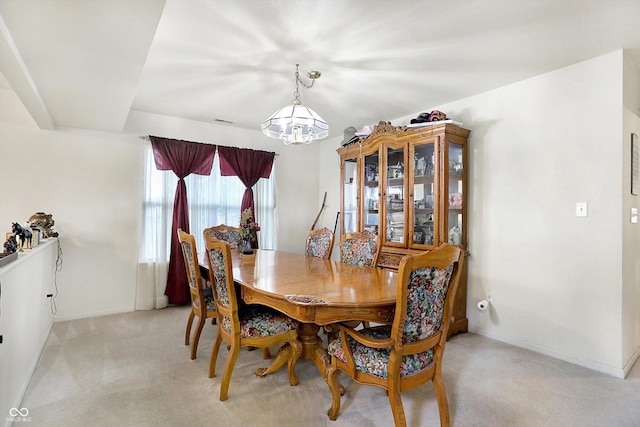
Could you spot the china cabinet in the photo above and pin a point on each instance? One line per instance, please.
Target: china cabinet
(408, 184)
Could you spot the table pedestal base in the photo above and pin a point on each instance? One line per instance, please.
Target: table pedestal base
(311, 350)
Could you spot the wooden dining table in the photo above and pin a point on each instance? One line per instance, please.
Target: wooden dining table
(315, 292)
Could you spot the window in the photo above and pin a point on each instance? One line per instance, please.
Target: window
(213, 200)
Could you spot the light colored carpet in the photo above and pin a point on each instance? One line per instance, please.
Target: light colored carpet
(132, 369)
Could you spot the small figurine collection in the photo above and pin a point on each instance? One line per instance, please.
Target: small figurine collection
(21, 238)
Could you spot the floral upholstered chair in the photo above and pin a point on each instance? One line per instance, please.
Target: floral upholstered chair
(202, 305)
(361, 248)
(225, 233)
(408, 352)
(244, 325)
(319, 243)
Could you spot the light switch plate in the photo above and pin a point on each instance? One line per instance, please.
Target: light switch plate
(581, 209)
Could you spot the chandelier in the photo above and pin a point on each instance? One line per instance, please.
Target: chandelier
(295, 123)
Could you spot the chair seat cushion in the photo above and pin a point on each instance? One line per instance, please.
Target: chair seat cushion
(374, 361)
(208, 298)
(211, 304)
(259, 321)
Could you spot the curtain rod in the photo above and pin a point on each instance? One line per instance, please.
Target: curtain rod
(146, 138)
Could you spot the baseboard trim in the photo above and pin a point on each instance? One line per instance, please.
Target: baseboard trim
(94, 314)
(605, 369)
(632, 360)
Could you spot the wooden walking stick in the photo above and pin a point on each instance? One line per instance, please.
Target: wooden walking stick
(321, 209)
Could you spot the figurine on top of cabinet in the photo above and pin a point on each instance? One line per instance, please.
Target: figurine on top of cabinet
(24, 235)
(11, 245)
(43, 222)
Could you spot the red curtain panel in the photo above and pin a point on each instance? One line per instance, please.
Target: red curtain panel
(183, 158)
(248, 165)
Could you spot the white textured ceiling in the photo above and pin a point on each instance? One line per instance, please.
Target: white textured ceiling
(88, 63)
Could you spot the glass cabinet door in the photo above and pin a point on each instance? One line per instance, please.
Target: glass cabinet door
(371, 193)
(455, 209)
(424, 198)
(395, 196)
(350, 195)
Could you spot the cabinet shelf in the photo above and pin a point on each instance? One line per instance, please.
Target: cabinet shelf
(395, 182)
(423, 179)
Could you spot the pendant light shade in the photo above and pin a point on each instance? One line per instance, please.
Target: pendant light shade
(295, 123)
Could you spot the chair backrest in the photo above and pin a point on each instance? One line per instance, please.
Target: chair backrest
(360, 248)
(224, 233)
(319, 243)
(190, 255)
(221, 278)
(428, 283)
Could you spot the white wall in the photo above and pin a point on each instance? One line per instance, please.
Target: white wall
(92, 184)
(25, 321)
(330, 182)
(630, 296)
(545, 144)
(538, 147)
(630, 232)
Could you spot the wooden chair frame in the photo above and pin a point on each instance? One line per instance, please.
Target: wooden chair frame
(198, 300)
(225, 233)
(441, 258)
(233, 338)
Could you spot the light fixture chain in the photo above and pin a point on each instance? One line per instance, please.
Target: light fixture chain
(303, 83)
(296, 94)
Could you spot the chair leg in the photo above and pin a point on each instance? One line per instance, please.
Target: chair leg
(188, 332)
(296, 352)
(196, 337)
(214, 356)
(228, 370)
(396, 407)
(334, 386)
(441, 397)
(266, 354)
